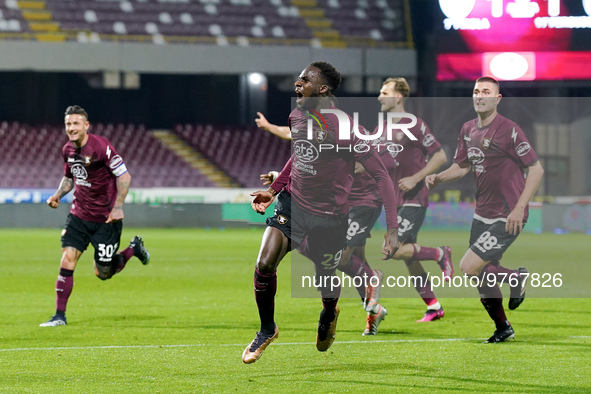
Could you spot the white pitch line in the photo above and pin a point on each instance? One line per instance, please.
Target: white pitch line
(25, 349)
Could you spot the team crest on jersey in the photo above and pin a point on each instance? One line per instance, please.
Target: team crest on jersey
(282, 219)
(87, 160)
(486, 142)
(399, 136)
(321, 135)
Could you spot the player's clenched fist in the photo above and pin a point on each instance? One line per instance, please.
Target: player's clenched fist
(53, 201)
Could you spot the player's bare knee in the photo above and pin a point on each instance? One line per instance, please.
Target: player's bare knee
(469, 270)
(67, 262)
(404, 252)
(266, 265)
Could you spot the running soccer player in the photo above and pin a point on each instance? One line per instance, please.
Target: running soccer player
(508, 173)
(312, 205)
(365, 209)
(102, 181)
(412, 166)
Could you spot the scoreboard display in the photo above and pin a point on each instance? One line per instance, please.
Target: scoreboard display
(514, 39)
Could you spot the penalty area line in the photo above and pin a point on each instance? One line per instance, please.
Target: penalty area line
(108, 347)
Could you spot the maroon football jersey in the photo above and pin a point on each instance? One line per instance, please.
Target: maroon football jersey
(499, 154)
(94, 168)
(323, 166)
(364, 192)
(412, 159)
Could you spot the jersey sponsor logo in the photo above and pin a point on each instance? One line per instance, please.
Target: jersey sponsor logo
(87, 160)
(305, 151)
(522, 149)
(282, 219)
(108, 152)
(79, 172)
(486, 142)
(116, 161)
(293, 131)
(71, 160)
(466, 138)
(514, 135)
(428, 140)
(475, 155)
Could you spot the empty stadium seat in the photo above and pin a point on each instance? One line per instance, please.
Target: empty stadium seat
(32, 157)
(243, 153)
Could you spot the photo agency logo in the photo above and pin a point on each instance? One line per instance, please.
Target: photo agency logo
(382, 139)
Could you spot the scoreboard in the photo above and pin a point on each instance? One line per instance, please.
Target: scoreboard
(514, 39)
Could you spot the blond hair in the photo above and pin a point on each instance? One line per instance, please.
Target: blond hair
(400, 85)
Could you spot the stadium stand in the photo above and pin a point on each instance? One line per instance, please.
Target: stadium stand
(31, 157)
(242, 154)
(320, 23)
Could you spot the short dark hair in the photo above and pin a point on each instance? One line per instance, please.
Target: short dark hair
(330, 76)
(76, 110)
(490, 80)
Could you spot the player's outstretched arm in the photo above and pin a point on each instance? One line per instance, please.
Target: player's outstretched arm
(123, 182)
(66, 185)
(279, 131)
(454, 172)
(514, 223)
(269, 177)
(435, 162)
(262, 200)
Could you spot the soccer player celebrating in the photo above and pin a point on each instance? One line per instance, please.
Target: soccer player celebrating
(102, 182)
(412, 167)
(500, 155)
(319, 182)
(365, 209)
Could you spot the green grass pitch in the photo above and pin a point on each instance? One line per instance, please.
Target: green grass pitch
(180, 324)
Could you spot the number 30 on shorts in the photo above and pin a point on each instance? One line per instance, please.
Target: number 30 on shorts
(107, 251)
